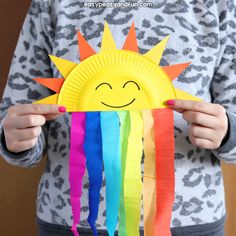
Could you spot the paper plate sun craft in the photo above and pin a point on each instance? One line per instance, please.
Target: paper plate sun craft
(117, 97)
(114, 79)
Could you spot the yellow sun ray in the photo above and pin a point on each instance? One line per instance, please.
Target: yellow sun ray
(155, 54)
(64, 66)
(180, 94)
(108, 42)
(48, 100)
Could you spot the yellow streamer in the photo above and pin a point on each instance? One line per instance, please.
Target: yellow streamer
(132, 180)
(149, 179)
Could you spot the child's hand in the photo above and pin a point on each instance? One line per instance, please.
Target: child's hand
(208, 122)
(22, 125)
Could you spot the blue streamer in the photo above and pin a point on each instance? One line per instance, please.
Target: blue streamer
(112, 166)
(93, 151)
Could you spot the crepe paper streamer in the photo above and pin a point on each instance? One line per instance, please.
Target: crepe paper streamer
(149, 177)
(124, 135)
(132, 180)
(165, 173)
(93, 151)
(112, 167)
(76, 165)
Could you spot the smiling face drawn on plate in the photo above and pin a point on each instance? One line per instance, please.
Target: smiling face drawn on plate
(125, 85)
(114, 79)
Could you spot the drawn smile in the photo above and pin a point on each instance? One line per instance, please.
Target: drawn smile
(119, 106)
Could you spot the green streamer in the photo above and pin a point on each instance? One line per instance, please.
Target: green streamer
(124, 135)
(133, 178)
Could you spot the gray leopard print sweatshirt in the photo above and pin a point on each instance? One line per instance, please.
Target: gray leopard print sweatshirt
(201, 31)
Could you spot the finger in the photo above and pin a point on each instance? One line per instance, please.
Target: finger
(179, 110)
(25, 121)
(204, 107)
(202, 143)
(200, 119)
(202, 133)
(52, 117)
(26, 134)
(40, 109)
(22, 145)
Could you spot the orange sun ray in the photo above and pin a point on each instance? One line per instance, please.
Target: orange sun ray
(84, 48)
(173, 71)
(54, 84)
(131, 40)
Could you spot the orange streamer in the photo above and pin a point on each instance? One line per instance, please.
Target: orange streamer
(165, 173)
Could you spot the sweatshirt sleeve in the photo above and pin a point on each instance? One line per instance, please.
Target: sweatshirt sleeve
(223, 85)
(30, 60)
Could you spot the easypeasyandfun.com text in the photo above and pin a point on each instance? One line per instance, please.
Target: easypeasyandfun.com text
(117, 4)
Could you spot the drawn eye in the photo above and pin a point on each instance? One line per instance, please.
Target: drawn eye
(131, 81)
(103, 84)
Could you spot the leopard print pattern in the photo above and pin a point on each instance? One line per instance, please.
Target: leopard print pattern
(201, 31)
